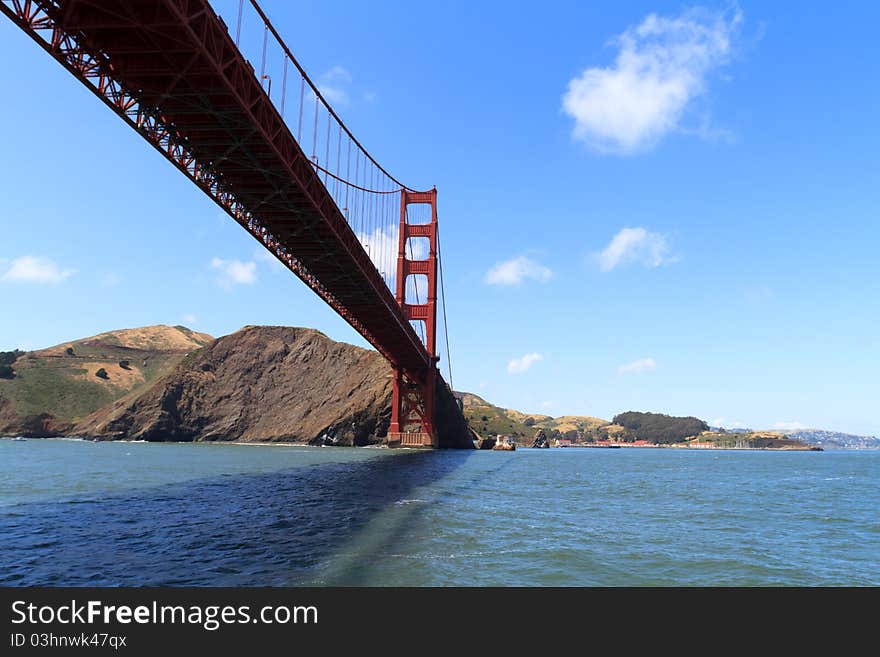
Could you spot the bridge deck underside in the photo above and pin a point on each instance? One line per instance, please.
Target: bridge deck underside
(177, 56)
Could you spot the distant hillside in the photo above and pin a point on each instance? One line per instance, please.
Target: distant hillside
(820, 438)
(49, 390)
(835, 439)
(747, 439)
(568, 423)
(488, 420)
(660, 428)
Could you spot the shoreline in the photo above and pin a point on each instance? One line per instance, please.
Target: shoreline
(805, 448)
(270, 443)
(253, 443)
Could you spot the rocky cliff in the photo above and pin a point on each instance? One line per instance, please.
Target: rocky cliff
(268, 383)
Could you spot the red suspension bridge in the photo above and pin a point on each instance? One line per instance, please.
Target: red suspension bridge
(267, 147)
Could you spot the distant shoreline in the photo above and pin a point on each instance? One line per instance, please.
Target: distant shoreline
(786, 448)
(254, 443)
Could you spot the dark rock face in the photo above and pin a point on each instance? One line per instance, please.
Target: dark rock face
(270, 383)
(452, 427)
(41, 425)
(541, 440)
(486, 443)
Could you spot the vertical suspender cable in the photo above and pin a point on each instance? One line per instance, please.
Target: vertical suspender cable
(284, 87)
(327, 150)
(263, 61)
(238, 29)
(348, 178)
(315, 133)
(302, 93)
(445, 324)
(357, 165)
(338, 160)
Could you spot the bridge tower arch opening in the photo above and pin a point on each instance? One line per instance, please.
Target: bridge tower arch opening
(412, 406)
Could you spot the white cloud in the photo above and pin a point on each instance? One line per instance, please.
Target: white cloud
(516, 270)
(523, 364)
(638, 366)
(34, 269)
(636, 245)
(662, 65)
(190, 319)
(333, 95)
(727, 424)
(332, 85)
(337, 73)
(381, 245)
(234, 272)
(790, 426)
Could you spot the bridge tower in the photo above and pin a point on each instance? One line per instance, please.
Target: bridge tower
(412, 406)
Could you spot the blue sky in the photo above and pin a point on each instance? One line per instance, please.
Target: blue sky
(644, 206)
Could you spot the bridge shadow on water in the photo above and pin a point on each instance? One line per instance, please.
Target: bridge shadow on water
(266, 529)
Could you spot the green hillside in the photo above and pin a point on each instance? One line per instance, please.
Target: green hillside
(488, 420)
(48, 389)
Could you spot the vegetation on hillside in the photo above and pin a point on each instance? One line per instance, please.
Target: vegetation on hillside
(488, 420)
(61, 385)
(7, 359)
(660, 428)
(748, 439)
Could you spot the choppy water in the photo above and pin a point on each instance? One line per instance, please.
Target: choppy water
(78, 513)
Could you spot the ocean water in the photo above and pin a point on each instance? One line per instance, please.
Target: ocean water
(82, 513)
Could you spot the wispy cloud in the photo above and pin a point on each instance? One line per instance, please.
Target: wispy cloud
(382, 244)
(332, 85)
(638, 366)
(727, 424)
(234, 272)
(189, 318)
(636, 246)
(516, 270)
(523, 363)
(662, 65)
(35, 269)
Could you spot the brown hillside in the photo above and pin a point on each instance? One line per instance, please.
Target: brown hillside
(268, 383)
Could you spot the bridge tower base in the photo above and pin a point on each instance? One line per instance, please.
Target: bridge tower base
(412, 405)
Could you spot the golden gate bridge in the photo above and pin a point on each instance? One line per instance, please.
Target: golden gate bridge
(269, 149)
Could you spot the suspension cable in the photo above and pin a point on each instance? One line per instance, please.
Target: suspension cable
(318, 96)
